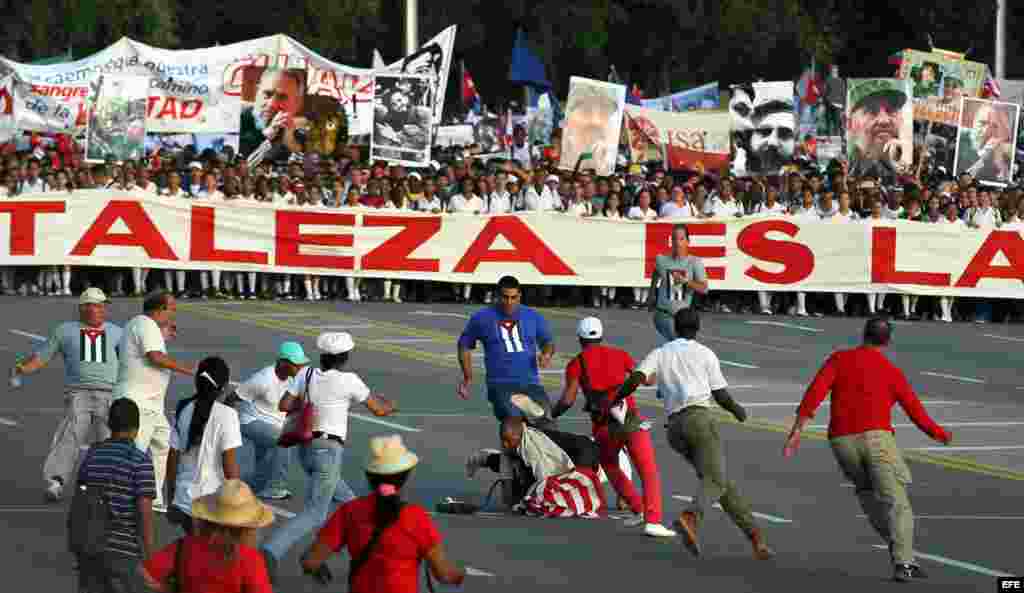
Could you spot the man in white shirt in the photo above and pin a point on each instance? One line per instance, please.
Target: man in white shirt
(265, 466)
(725, 205)
(689, 377)
(642, 210)
(679, 207)
(33, 183)
(521, 148)
(539, 197)
(143, 374)
(467, 202)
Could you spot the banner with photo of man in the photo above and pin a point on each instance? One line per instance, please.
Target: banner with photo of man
(280, 117)
(697, 140)
(986, 142)
(879, 127)
(593, 123)
(938, 80)
(764, 127)
(433, 59)
(402, 113)
(117, 119)
(702, 97)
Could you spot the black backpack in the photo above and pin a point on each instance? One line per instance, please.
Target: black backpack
(89, 517)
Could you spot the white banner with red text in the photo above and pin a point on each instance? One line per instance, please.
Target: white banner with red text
(105, 228)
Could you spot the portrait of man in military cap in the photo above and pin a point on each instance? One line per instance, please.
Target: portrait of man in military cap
(879, 126)
(593, 121)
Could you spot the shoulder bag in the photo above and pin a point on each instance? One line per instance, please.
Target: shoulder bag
(599, 404)
(298, 425)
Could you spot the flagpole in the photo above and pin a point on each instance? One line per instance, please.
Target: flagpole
(1001, 40)
(412, 26)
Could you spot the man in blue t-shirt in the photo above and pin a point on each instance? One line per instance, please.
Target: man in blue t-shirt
(516, 340)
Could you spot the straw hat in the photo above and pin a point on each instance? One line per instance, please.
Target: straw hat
(233, 505)
(388, 456)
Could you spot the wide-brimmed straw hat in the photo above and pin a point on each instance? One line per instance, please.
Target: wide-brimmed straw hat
(233, 505)
(388, 456)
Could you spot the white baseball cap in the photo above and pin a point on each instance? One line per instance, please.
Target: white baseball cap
(335, 342)
(590, 328)
(92, 296)
(195, 165)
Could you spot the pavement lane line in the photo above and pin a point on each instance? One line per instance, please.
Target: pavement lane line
(8, 422)
(280, 512)
(403, 340)
(438, 314)
(343, 327)
(949, 424)
(971, 448)
(934, 402)
(962, 517)
(373, 420)
(476, 572)
(765, 516)
(738, 364)
(954, 377)
(950, 462)
(29, 335)
(1007, 338)
(787, 325)
(955, 563)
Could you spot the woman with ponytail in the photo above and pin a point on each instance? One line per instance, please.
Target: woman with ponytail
(204, 443)
(386, 537)
(221, 556)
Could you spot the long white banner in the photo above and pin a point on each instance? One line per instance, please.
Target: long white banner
(104, 228)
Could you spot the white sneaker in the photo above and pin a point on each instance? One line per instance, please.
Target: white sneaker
(478, 460)
(54, 490)
(159, 507)
(634, 521)
(658, 530)
(527, 405)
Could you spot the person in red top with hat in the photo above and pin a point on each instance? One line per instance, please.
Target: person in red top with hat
(600, 370)
(864, 386)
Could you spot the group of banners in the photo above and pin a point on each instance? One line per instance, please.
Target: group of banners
(273, 94)
(122, 229)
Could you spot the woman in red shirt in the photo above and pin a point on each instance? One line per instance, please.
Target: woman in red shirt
(386, 538)
(223, 558)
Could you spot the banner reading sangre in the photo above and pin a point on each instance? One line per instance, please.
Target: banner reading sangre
(695, 140)
(104, 228)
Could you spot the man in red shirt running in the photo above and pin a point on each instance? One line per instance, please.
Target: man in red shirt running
(601, 370)
(864, 386)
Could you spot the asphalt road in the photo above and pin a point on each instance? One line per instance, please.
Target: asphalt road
(967, 498)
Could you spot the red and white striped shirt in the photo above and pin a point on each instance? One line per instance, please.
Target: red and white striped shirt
(576, 493)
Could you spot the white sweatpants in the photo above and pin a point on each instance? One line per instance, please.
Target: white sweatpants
(155, 436)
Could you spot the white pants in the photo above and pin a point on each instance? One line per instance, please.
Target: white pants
(640, 295)
(155, 436)
(876, 302)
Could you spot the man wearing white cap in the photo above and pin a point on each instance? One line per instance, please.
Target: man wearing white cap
(89, 348)
(600, 370)
(333, 392)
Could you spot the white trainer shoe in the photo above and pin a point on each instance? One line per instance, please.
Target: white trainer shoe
(54, 490)
(658, 530)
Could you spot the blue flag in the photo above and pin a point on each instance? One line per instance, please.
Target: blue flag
(526, 66)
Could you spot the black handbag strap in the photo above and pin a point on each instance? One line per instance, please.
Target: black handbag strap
(364, 555)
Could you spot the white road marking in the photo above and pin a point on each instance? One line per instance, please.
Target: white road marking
(787, 325)
(344, 327)
(654, 388)
(949, 424)
(963, 517)
(930, 402)
(280, 512)
(403, 341)
(8, 422)
(849, 485)
(738, 364)
(746, 343)
(35, 337)
(435, 314)
(288, 315)
(476, 572)
(956, 563)
(1007, 338)
(978, 448)
(373, 420)
(954, 377)
(766, 517)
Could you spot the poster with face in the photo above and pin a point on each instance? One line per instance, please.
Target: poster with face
(117, 121)
(938, 80)
(402, 115)
(763, 126)
(593, 124)
(280, 116)
(879, 127)
(986, 143)
(433, 60)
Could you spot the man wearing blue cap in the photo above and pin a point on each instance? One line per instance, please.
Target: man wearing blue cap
(265, 465)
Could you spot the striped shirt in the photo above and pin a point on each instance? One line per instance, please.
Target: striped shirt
(129, 474)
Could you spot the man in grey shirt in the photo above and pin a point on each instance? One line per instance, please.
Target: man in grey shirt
(677, 277)
(89, 348)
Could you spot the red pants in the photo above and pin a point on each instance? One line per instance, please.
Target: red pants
(641, 453)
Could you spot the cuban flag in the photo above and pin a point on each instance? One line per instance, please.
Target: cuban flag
(470, 96)
(990, 89)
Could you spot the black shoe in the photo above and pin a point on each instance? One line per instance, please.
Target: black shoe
(903, 573)
(918, 572)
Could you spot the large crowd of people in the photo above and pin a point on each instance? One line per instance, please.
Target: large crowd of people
(464, 184)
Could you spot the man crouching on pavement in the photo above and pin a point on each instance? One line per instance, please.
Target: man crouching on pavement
(544, 472)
